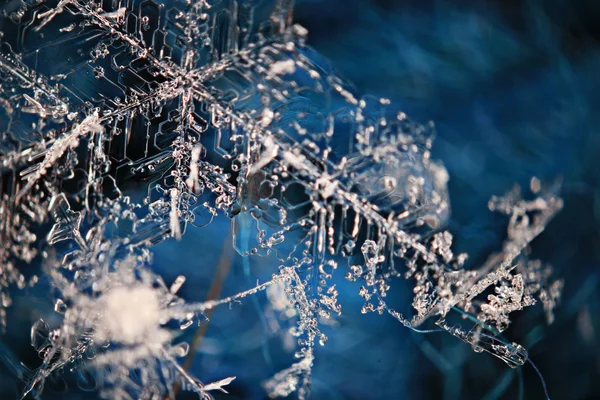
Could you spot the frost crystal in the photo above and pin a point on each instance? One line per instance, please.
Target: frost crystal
(130, 314)
(163, 116)
(115, 320)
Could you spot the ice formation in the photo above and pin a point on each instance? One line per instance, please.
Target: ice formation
(210, 107)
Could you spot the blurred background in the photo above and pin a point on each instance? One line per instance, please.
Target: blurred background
(514, 90)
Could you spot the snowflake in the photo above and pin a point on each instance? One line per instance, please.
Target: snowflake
(211, 107)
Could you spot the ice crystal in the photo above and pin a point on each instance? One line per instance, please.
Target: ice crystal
(211, 107)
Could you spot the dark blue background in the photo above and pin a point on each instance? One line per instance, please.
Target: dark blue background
(513, 89)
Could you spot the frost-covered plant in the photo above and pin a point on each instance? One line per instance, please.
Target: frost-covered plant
(162, 116)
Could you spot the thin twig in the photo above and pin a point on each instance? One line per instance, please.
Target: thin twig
(213, 294)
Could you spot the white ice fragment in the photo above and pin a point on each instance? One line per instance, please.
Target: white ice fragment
(131, 315)
(37, 107)
(192, 181)
(179, 281)
(174, 215)
(440, 174)
(299, 162)
(346, 94)
(282, 67)
(299, 30)
(327, 186)
(266, 117)
(116, 15)
(269, 153)
(68, 28)
(301, 131)
(218, 385)
(288, 380)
